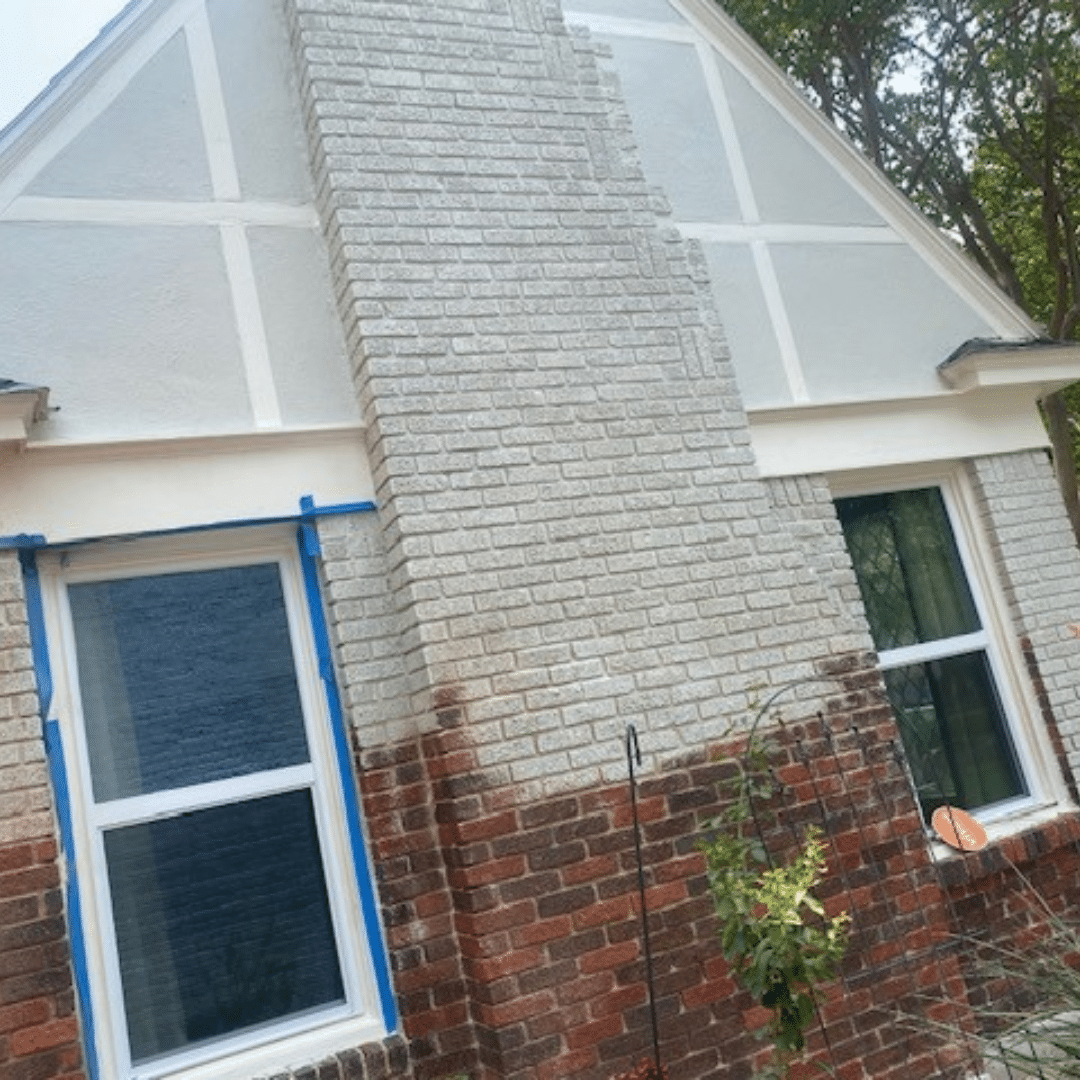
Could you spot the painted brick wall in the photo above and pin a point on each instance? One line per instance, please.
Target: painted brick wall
(368, 629)
(403, 785)
(576, 537)
(25, 802)
(39, 1033)
(805, 505)
(514, 929)
(1040, 572)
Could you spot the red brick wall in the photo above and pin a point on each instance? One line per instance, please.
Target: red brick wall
(515, 929)
(1005, 895)
(39, 1032)
(402, 812)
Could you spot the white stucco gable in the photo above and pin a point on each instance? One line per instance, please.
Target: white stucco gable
(839, 300)
(163, 272)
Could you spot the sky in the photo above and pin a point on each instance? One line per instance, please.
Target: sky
(37, 38)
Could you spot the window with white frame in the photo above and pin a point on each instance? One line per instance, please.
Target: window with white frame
(942, 664)
(219, 895)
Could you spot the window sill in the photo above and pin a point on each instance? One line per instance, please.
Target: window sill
(1017, 838)
(286, 1052)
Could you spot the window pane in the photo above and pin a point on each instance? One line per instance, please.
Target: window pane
(186, 678)
(954, 734)
(222, 921)
(912, 582)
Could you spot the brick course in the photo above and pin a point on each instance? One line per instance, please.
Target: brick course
(39, 1034)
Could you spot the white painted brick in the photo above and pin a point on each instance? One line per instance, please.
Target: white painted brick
(526, 329)
(1040, 572)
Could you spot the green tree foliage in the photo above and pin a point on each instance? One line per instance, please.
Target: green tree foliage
(972, 108)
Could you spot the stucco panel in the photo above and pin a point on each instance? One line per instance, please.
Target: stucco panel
(775, 152)
(303, 330)
(675, 127)
(261, 99)
(747, 325)
(131, 328)
(147, 144)
(872, 321)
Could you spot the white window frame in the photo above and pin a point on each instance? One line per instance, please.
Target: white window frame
(292, 1041)
(1047, 794)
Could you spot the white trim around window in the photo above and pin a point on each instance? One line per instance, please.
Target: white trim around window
(1046, 795)
(293, 1036)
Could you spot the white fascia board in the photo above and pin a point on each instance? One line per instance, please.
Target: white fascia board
(68, 492)
(1007, 318)
(1045, 366)
(850, 436)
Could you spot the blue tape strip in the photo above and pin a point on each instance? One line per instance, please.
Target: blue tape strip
(54, 751)
(22, 541)
(309, 513)
(309, 509)
(54, 748)
(309, 534)
(368, 905)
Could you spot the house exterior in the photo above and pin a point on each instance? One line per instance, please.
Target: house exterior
(401, 399)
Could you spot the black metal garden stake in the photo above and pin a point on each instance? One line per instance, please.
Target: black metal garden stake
(633, 756)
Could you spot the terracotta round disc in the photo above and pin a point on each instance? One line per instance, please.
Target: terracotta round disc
(958, 828)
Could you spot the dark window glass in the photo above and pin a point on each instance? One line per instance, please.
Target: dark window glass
(954, 735)
(222, 921)
(912, 582)
(915, 592)
(186, 678)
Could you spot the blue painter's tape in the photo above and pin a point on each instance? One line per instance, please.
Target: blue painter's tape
(309, 534)
(54, 749)
(150, 534)
(23, 541)
(309, 509)
(309, 512)
(39, 647)
(365, 888)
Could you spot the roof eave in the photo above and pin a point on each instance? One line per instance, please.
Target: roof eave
(21, 406)
(1045, 365)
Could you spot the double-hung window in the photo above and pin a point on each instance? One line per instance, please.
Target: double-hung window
(220, 906)
(941, 664)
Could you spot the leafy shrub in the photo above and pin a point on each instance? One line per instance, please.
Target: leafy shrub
(775, 935)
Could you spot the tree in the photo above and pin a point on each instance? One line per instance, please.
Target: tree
(972, 108)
